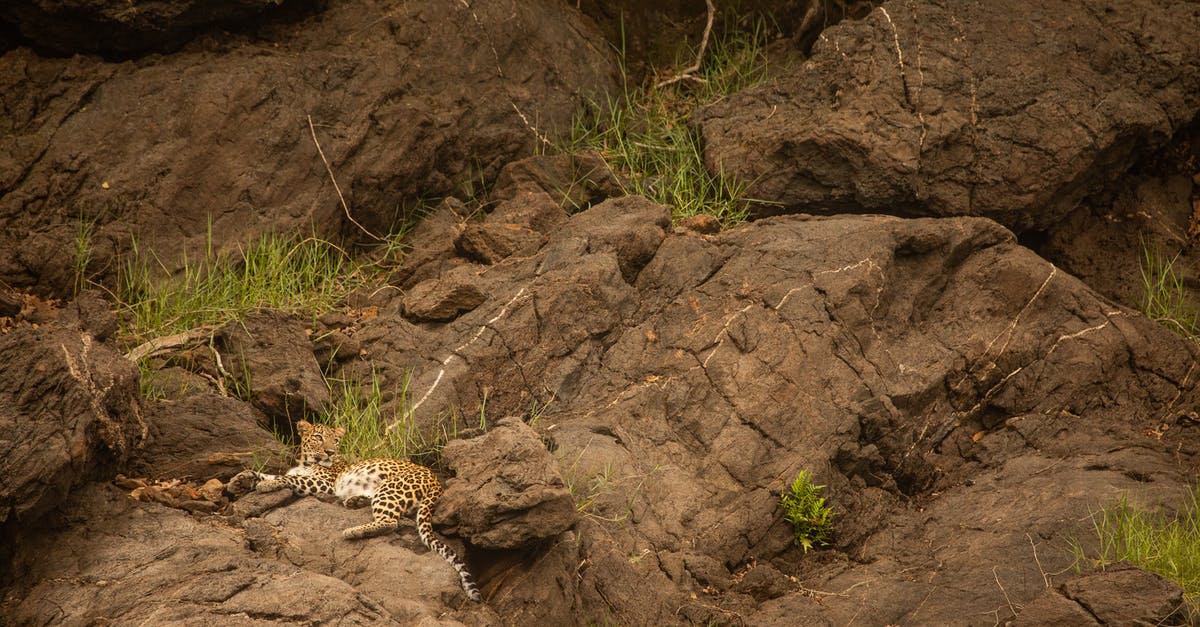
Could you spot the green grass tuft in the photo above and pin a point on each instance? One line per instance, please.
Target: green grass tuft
(278, 271)
(804, 508)
(1164, 297)
(366, 412)
(643, 133)
(1168, 545)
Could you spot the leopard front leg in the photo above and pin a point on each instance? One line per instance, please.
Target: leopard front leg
(301, 484)
(249, 480)
(271, 483)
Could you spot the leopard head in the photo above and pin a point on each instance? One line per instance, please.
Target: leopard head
(318, 443)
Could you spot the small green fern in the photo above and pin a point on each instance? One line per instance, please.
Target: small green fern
(804, 507)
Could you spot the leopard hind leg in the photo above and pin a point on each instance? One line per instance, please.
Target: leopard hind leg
(386, 508)
(357, 502)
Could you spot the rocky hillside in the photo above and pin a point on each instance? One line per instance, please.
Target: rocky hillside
(934, 310)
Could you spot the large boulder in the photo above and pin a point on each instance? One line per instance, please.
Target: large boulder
(581, 275)
(69, 413)
(241, 133)
(268, 357)
(508, 491)
(204, 436)
(965, 404)
(1101, 598)
(999, 109)
(405, 578)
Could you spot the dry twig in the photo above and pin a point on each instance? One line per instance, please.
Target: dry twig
(220, 383)
(1004, 592)
(337, 189)
(162, 344)
(689, 73)
(533, 129)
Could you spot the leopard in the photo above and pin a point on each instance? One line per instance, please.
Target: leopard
(394, 488)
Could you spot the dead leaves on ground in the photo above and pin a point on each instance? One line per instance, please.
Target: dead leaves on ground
(177, 493)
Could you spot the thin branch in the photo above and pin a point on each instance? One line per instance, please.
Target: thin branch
(162, 344)
(533, 129)
(220, 369)
(689, 72)
(337, 189)
(1045, 575)
(1005, 593)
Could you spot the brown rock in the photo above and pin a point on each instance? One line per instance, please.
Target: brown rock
(1105, 241)
(944, 109)
(575, 181)
(109, 27)
(534, 210)
(1052, 608)
(10, 304)
(444, 298)
(94, 314)
(423, 98)
(630, 227)
(1107, 595)
(507, 492)
(335, 346)
(334, 320)
(270, 355)
(69, 409)
(491, 242)
(205, 436)
(215, 578)
(896, 359)
(432, 246)
(213, 490)
(703, 224)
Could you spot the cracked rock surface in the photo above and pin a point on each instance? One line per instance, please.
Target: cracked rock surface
(966, 403)
(630, 394)
(406, 100)
(943, 108)
(930, 371)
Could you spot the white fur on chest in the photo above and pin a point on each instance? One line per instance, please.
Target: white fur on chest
(300, 471)
(359, 481)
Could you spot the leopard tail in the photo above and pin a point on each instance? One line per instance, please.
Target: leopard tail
(425, 531)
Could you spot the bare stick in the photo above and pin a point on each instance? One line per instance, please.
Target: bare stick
(220, 369)
(1004, 592)
(160, 344)
(689, 72)
(533, 129)
(337, 189)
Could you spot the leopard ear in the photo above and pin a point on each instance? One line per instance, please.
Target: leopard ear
(339, 432)
(304, 428)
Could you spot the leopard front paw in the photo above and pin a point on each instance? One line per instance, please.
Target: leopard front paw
(242, 482)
